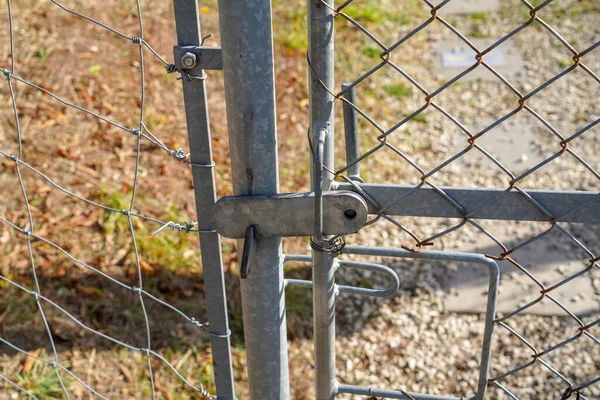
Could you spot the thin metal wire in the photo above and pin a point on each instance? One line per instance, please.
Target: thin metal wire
(28, 228)
(472, 142)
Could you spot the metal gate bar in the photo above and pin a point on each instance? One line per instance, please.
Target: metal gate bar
(196, 112)
(320, 49)
(498, 204)
(247, 45)
(494, 278)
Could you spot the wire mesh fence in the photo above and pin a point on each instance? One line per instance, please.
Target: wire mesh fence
(49, 305)
(390, 56)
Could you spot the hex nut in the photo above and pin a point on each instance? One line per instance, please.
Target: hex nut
(188, 60)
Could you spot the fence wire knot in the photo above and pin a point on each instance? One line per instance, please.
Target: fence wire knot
(187, 227)
(171, 68)
(136, 40)
(569, 391)
(334, 245)
(179, 154)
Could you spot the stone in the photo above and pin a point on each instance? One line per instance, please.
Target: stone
(544, 260)
(455, 56)
(515, 145)
(468, 6)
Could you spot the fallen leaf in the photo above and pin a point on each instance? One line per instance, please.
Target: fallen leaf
(89, 290)
(147, 268)
(30, 359)
(126, 373)
(48, 123)
(59, 273)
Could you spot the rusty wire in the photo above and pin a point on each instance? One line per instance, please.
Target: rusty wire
(469, 217)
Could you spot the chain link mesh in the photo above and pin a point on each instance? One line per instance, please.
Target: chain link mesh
(563, 143)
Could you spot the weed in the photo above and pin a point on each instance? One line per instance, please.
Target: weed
(565, 62)
(368, 12)
(372, 51)
(398, 90)
(42, 381)
(112, 222)
(479, 16)
(477, 33)
(420, 118)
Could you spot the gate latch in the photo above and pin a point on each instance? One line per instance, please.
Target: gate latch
(286, 215)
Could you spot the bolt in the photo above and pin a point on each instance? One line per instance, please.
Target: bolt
(188, 60)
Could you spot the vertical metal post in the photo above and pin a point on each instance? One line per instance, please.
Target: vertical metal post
(247, 44)
(196, 112)
(320, 33)
(351, 133)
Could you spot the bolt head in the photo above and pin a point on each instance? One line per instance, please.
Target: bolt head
(188, 60)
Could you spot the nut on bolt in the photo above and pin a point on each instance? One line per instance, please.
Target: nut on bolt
(188, 60)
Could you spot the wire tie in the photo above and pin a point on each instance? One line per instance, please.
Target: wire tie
(179, 154)
(568, 392)
(136, 40)
(211, 165)
(145, 351)
(136, 132)
(204, 39)
(7, 73)
(187, 227)
(170, 68)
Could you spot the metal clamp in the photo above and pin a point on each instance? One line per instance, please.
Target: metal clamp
(194, 59)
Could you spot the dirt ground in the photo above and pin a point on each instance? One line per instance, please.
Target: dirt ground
(409, 342)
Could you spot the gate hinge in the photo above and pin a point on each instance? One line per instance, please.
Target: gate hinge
(194, 59)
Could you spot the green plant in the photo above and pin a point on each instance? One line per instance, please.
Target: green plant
(41, 380)
(398, 90)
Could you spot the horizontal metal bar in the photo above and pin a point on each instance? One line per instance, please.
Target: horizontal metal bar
(290, 214)
(494, 277)
(389, 394)
(390, 291)
(207, 57)
(513, 206)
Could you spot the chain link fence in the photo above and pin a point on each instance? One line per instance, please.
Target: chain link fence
(399, 65)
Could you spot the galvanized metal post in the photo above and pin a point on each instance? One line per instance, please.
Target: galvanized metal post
(320, 33)
(247, 44)
(196, 112)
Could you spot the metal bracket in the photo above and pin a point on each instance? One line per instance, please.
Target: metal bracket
(207, 57)
(286, 215)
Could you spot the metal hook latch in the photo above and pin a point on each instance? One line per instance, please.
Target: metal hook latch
(248, 252)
